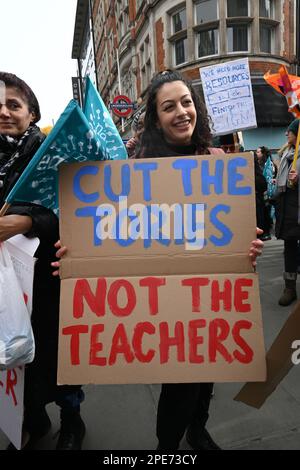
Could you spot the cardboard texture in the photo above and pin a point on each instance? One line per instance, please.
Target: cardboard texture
(158, 286)
(279, 363)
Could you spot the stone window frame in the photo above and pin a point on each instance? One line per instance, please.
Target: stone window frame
(272, 27)
(209, 25)
(273, 2)
(208, 29)
(252, 21)
(122, 19)
(145, 61)
(179, 35)
(274, 24)
(249, 5)
(243, 21)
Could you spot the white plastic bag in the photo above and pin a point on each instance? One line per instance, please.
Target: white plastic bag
(16, 336)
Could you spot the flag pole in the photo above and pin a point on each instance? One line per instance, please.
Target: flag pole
(296, 150)
(4, 208)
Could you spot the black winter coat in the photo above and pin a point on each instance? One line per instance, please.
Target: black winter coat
(286, 207)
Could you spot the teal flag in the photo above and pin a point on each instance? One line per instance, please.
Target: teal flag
(74, 138)
(102, 124)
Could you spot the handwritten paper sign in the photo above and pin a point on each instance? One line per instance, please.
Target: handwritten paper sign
(228, 96)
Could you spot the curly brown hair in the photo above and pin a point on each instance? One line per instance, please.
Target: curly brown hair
(153, 143)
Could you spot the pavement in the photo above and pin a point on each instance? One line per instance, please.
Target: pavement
(123, 417)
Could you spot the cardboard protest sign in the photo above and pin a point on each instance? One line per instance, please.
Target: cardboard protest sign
(157, 285)
(21, 250)
(279, 362)
(11, 404)
(228, 96)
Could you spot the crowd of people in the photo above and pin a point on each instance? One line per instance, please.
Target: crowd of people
(20, 138)
(278, 205)
(174, 122)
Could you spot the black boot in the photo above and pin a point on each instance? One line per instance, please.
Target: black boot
(200, 439)
(72, 431)
(289, 294)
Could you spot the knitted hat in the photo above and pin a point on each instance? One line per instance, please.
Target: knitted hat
(294, 126)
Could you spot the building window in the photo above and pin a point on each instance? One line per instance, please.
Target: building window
(266, 9)
(180, 51)
(208, 42)
(179, 21)
(142, 55)
(147, 50)
(206, 10)
(267, 33)
(122, 20)
(178, 39)
(268, 26)
(237, 8)
(237, 38)
(145, 62)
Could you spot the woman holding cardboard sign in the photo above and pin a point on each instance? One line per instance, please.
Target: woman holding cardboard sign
(176, 123)
(19, 140)
(288, 213)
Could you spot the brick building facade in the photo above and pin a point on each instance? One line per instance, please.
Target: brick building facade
(133, 39)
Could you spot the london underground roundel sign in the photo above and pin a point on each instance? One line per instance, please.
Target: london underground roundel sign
(122, 106)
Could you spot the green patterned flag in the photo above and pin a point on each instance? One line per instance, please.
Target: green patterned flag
(102, 125)
(76, 137)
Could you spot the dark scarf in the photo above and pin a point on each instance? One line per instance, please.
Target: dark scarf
(15, 154)
(11, 149)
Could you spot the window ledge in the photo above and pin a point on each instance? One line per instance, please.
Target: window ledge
(269, 21)
(206, 26)
(179, 35)
(205, 57)
(240, 20)
(182, 64)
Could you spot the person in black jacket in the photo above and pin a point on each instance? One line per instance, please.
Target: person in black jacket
(19, 140)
